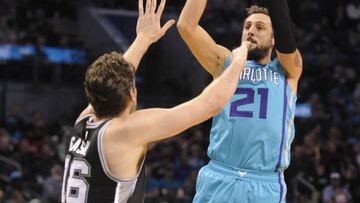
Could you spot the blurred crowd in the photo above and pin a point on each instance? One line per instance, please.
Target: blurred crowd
(38, 24)
(34, 21)
(31, 157)
(325, 163)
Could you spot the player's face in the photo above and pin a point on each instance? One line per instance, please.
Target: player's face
(258, 30)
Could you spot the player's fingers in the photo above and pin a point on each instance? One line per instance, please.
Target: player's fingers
(161, 8)
(148, 6)
(246, 43)
(141, 7)
(153, 6)
(167, 25)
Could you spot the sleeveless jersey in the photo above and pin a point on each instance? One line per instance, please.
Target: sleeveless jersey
(86, 176)
(255, 129)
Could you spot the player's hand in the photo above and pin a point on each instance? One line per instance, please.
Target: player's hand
(148, 24)
(238, 52)
(246, 44)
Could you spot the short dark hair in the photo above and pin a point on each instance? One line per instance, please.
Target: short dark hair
(108, 82)
(254, 9)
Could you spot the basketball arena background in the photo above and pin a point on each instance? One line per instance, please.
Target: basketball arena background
(46, 46)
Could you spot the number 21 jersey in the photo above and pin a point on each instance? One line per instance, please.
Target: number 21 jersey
(255, 129)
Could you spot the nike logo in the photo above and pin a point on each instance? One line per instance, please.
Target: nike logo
(242, 173)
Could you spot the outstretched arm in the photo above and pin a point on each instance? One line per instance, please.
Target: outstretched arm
(210, 55)
(285, 44)
(148, 30)
(146, 126)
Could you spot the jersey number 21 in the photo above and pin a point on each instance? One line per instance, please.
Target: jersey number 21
(249, 98)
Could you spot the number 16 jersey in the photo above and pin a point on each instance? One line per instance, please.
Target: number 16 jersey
(87, 178)
(255, 129)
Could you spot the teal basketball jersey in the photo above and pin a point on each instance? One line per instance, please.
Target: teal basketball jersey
(255, 129)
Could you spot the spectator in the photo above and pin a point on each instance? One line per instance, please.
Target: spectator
(335, 193)
(52, 185)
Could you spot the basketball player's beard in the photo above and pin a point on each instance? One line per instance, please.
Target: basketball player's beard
(258, 53)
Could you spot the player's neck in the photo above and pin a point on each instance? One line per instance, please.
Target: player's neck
(264, 60)
(123, 114)
(97, 119)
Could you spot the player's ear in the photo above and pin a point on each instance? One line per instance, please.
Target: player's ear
(133, 94)
(273, 38)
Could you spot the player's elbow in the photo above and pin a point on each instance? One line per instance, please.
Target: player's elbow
(184, 28)
(217, 108)
(213, 100)
(181, 26)
(215, 105)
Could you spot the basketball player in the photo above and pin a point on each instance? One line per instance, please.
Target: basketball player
(105, 158)
(250, 139)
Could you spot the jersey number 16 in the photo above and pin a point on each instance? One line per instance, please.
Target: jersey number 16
(75, 188)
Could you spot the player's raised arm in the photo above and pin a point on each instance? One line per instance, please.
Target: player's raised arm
(146, 126)
(210, 55)
(285, 44)
(148, 30)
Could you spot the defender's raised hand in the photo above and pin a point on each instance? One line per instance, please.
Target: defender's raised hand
(148, 30)
(148, 25)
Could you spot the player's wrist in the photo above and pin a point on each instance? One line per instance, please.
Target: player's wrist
(144, 40)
